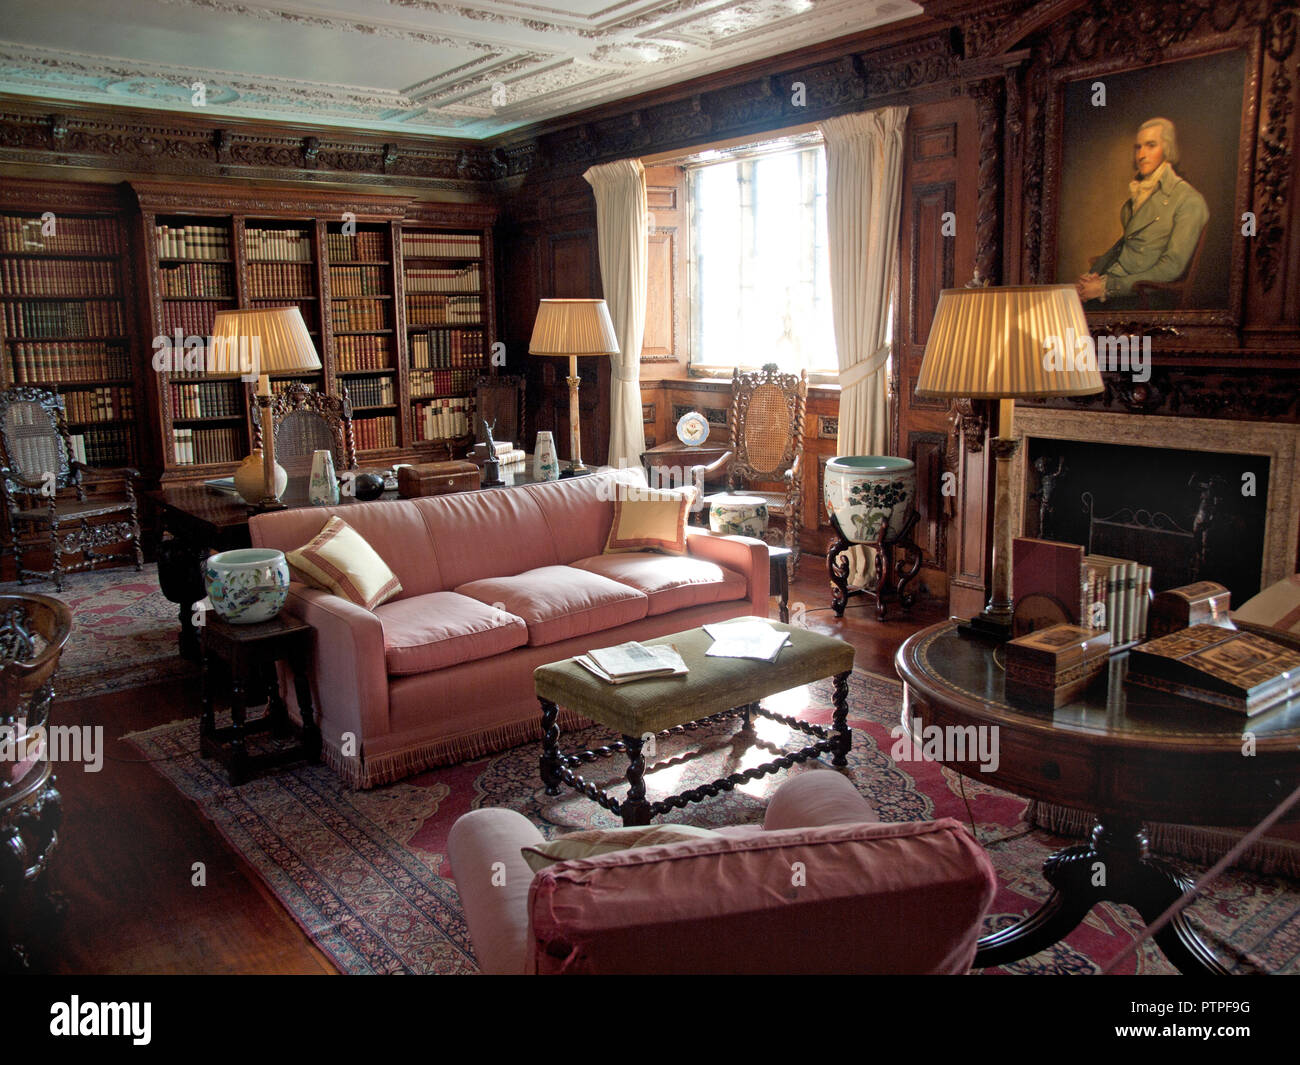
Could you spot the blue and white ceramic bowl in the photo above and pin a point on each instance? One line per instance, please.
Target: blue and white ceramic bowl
(737, 515)
(247, 586)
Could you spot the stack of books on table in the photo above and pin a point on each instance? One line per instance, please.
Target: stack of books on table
(632, 661)
(1095, 591)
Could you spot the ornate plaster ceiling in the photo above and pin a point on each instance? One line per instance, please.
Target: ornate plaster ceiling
(464, 68)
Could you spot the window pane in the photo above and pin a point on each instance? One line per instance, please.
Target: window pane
(761, 267)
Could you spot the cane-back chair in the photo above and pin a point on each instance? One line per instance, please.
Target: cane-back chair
(307, 421)
(37, 471)
(767, 416)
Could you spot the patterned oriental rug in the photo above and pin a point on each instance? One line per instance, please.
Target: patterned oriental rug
(365, 873)
(123, 631)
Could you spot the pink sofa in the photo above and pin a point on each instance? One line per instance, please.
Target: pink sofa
(494, 584)
(822, 887)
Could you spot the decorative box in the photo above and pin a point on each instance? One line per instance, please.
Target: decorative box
(438, 478)
(1053, 666)
(1202, 603)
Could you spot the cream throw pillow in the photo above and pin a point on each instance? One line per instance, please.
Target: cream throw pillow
(339, 559)
(597, 841)
(649, 519)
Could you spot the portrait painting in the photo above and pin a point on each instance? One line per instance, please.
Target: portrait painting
(1148, 202)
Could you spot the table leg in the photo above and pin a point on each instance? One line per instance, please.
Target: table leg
(1114, 867)
(207, 722)
(311, 739)
(238, 749)
(550, 760)
(843, 735)
(635, 809)
(276, 709)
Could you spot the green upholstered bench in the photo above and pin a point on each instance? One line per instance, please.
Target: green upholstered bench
(714, 688)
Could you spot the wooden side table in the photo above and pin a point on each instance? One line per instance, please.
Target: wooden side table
(251, 652)
(778, 578)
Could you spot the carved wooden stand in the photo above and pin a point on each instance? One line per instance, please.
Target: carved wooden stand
(883, 588)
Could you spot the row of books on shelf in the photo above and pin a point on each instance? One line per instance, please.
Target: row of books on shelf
(57, 361)
(268, 281)
(196, 446)
(283, 245)
(435, 309)
(59, 235)
(67, 319)
(193, 242)
(357, 314)
(441, 419)
(357, 281)
(105, 404)
(1058, 581)
(59, 277)
(354, 354)
(434, 245)
(196, 279)
(362, 246)
(207, 399)
(371, 392)
(441, 348)
(374, 433)
(442, 382)
(108, 446)
(433, 279)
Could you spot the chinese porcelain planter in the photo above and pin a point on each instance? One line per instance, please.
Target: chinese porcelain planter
(248, 585)
(737, 515)
(866, 493)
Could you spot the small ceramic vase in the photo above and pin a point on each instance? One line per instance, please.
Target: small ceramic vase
(250, 480)
(323, 491)
(546, 465)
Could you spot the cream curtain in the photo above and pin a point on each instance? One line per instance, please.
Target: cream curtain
(864, 183)
(622, 221)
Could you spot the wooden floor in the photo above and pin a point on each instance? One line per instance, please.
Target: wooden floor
(130, 840)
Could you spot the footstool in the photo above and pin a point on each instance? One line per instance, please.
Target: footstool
(714, 689)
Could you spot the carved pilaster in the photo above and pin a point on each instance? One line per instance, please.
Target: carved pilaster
(990, 104)
(1275, 160)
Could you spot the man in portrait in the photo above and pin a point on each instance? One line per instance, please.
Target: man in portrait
(1163, 219)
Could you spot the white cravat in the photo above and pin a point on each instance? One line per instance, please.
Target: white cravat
(1140, 190)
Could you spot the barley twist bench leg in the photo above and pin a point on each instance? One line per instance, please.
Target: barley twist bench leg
(635, 809)
(843, 737)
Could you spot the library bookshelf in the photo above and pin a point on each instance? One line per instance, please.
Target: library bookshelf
(340, 259)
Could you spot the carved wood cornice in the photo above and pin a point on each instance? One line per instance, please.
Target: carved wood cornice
(1261, 395)
(150, 143)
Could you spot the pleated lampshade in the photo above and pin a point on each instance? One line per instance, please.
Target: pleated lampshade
(573, 327)
(284, 344)
(1003, 342)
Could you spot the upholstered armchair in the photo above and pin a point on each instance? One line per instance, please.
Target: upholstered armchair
(307, 421)
(36, 473)
(820, 887)
(767, 416)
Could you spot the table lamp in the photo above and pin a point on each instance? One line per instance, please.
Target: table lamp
(1027, 341)
(574, 328)
(277, 340)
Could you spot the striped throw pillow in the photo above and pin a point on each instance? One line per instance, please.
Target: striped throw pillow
(339, 559)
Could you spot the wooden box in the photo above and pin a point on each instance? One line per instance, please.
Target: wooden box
(1202, 603)
(438, 478)
(1053, 666)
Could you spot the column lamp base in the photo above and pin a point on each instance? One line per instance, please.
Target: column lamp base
(987, 626)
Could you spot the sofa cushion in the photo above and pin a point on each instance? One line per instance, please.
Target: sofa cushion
(558, 602)
(578, 510)
(338, 559)
(441, 629)
(669, 583)
(596, 841)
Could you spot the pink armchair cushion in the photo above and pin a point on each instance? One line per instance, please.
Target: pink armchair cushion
(559, 602)
(443, 628)
(900, 898)
(669, 583)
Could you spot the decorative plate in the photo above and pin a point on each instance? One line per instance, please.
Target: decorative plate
(693, 428)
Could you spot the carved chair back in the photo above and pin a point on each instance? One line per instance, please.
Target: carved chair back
(34, 445)
(767, 416)
(306, 421)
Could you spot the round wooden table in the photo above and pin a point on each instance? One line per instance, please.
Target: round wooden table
(1127, 754)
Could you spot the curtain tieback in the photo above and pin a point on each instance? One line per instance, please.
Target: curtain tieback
(860, 371)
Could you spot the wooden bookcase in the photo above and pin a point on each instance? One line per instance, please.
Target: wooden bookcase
(339, 258)
(66, 312)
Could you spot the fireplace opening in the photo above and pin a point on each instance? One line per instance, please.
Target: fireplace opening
(1190, 515)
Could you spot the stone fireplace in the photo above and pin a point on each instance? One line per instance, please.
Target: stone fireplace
(1197, 498)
